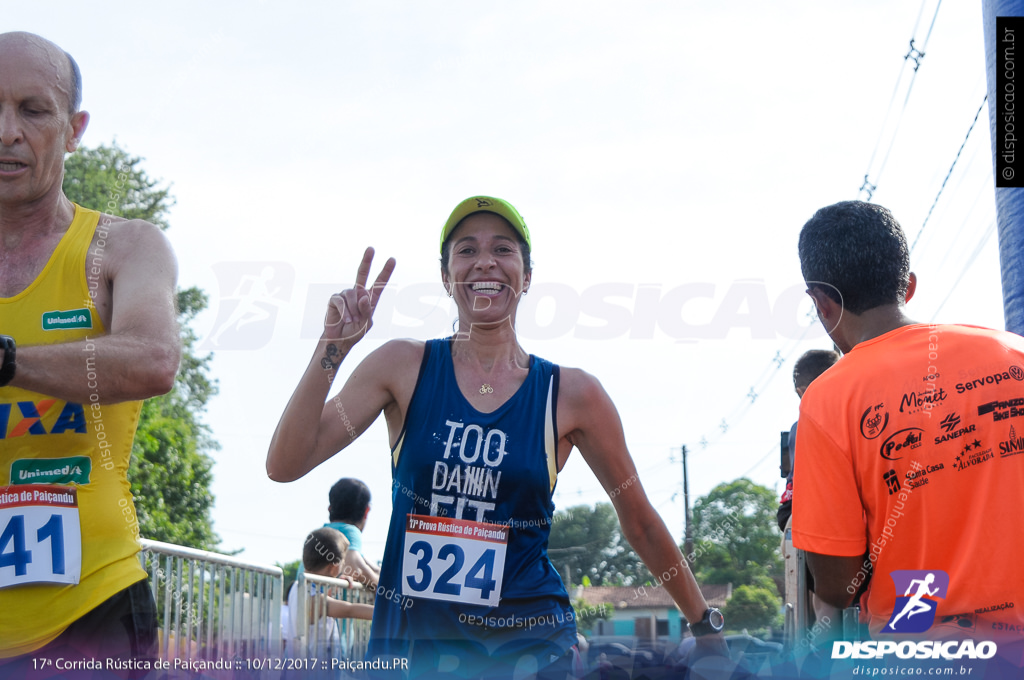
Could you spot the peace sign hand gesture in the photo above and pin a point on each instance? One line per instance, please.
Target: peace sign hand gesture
(350, 312)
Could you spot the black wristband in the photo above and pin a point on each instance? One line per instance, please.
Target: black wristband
(7, 369)
(711, 622)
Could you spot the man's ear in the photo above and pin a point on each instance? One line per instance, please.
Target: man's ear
(825, 306)
(829, 311)
(79, 121)
(911, 287)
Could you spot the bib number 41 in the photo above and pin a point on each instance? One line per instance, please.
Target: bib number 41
(40, 540)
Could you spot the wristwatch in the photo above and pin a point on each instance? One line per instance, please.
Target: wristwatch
(7, 368)
(711, 622)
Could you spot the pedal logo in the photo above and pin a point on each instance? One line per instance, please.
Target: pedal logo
(914, 611)
(905, 439)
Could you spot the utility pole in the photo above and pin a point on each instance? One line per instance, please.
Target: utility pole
(688, 520)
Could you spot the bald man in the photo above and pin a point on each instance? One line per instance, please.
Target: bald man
(87, 331)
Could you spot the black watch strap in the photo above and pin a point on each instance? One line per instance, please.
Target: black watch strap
(711, 622)
(7, 369)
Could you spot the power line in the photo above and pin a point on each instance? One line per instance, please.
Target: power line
(970, 261)
(959, 151)
(915, 55)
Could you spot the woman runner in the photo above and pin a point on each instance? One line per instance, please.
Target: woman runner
(479, 430)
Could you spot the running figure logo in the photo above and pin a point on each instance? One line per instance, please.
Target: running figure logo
(915, 609)
(251, 294)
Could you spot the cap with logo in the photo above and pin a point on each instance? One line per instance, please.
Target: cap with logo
(475, 204)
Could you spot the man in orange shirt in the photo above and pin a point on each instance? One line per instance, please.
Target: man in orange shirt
(908, 459)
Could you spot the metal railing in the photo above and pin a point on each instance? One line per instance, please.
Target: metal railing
(212, 606)
(324, 635)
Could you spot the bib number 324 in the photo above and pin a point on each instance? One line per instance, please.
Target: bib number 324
(454, 560)
(40, 535)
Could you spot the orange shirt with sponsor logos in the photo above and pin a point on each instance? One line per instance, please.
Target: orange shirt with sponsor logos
(911, 452)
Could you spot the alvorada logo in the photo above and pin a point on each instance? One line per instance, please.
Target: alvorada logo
(914, 611)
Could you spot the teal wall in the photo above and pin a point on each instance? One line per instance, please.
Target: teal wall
(675, 624)
(623, 627)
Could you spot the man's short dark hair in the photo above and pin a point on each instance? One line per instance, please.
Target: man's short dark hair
(323, 547)
(811, 364)
(75, 96)
(857, 254)
(348, 499)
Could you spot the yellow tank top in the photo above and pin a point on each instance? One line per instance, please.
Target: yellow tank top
(61, 461)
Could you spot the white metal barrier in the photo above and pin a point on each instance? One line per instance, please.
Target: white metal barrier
(212, 606)
(323, 636)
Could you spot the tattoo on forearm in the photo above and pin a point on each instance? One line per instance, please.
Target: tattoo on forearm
(333, 358)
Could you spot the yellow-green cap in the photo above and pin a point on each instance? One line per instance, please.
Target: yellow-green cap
(476, 204)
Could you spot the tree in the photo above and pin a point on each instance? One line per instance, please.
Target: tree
(736, 536)
(588, 542)
(587, 615)
(170, 470)
(752, 607)
(291, 574)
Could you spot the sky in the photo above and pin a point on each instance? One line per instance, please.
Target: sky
(663, 154)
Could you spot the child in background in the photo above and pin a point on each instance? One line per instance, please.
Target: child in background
(322, 555)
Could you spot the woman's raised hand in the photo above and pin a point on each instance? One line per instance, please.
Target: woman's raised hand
(350, 312)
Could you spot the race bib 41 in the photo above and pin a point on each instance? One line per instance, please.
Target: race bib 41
(40, 535)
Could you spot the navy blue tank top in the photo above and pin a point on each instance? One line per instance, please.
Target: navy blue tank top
(466, 557)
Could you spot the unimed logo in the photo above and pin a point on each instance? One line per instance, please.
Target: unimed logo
(914, 611)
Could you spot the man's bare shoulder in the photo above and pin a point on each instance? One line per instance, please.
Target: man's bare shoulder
(136, 268)
(120, 238)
